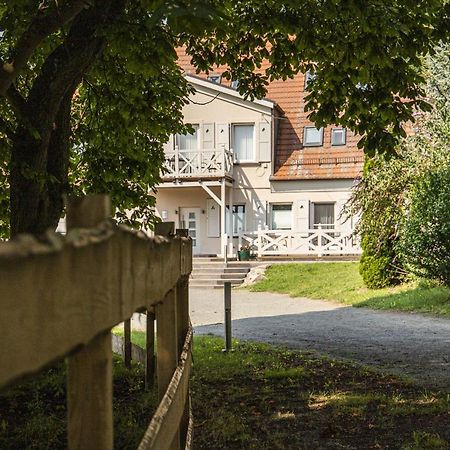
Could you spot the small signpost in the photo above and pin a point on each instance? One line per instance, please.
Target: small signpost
(227, 303)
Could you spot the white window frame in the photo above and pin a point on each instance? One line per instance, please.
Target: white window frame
(234, 84)
(253, 157)
(314, 143)
(333, 131)
(272, 205)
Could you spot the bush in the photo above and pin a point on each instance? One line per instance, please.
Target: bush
(425, 234)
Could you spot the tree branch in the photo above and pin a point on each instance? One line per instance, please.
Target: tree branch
(42, 26)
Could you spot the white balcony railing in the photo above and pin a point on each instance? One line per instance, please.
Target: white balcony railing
(317, 242)
(201, 163)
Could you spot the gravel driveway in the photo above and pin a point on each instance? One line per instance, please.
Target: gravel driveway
(410, 344)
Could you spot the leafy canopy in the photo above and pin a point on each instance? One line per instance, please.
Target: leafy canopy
(366, 57)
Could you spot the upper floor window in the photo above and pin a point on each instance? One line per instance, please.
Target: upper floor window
(235, 84)
(309, 76)
(215, 78)
(187, 141)
(243, 142)
(312, 136)
(338, 136)
(282, 217)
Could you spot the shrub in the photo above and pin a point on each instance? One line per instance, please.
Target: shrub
(425, 235)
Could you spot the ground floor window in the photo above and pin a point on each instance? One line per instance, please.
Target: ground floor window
(238, 219)
(323, 215)
(281, 217)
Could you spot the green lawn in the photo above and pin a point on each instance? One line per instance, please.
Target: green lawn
(342, 282)
(256, 397)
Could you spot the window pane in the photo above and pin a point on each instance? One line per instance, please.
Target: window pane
(238, 219)
(324, 215)
(243, 142)
(338, 136)
(281, 217)
(187, 141)
(313, 136)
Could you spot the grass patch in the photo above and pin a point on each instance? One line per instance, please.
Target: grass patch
(263, 397)
(342, 282)
(257, 397)
(33, 413)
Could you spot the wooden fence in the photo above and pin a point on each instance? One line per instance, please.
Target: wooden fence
(60, 296)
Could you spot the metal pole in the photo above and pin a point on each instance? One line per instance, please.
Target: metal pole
(227, 302)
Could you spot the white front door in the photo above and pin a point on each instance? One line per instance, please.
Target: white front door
(190, 220)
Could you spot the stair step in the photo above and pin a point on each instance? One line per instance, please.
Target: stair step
(217, 270)
(221, 276)
(196, 282)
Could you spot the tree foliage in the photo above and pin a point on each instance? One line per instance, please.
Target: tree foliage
(403, 201)
(90, 90)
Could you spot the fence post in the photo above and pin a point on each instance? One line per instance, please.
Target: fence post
(127, 342)
(150, 349)
(167, 347)
(167, 343)
(183, 327)
(89, 390)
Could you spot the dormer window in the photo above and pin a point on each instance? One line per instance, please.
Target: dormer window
(309, 76)
(235, 84)
(215, 78)
(312, 137)
(338, 136)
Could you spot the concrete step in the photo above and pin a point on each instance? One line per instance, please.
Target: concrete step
(220, 276)
(217, 270)
(219, 265)
(208, 283)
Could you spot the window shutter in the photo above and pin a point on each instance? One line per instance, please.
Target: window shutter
(301, 215)
(169, 145)
(342, 223)
(208, 137)
(265, 141)
(213, 217)
(223, 135)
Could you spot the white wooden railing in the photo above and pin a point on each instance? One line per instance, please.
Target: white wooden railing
(317, 242)
(201, 163)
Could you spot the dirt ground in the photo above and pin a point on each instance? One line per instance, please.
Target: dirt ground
(414, 345)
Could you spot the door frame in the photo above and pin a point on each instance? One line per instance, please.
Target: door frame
(185, 210)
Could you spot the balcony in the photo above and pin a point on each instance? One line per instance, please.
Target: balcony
(198, 164)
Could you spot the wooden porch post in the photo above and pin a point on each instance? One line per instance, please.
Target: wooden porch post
(223, 211)
(231, 221)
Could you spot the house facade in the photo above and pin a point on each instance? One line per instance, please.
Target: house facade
(258, 173)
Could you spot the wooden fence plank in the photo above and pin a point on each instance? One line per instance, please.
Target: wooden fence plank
(167, 417)
(77, 291)
(167, 348)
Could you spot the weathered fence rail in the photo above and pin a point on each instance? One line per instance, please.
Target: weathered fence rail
(61, 296)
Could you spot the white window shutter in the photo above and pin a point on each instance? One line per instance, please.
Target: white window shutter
(213, 217)
(169, 145)
(342, 223)
(264, 142)
(301, 215)
(208, 136)
(223, 135)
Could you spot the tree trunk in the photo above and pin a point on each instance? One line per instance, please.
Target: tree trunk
(41, 145)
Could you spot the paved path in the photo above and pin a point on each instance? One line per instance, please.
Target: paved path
(411, 344)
